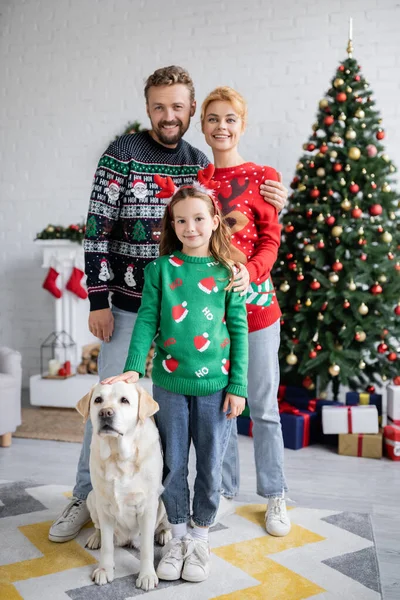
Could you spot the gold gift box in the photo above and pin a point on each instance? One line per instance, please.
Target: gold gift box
(368, 445)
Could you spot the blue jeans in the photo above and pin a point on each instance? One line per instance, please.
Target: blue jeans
(111, 361)
(180, 420)
(263, 382)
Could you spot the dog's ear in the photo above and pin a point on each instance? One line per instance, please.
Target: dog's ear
(83, 406)
(147, 405)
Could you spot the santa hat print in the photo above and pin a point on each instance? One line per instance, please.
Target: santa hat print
(170, 364)
(225, 366)
(113, 182)
(179, 312)
(208, 285)
(175, 261)
(201, 342)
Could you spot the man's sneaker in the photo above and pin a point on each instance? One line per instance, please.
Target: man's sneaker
(170, 566)
(276, 520)
(197, 560)
(70, 522)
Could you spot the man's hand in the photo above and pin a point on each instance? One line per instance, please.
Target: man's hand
(275, 193)
(242, 279)
(101, 324)
(236, 404)
(127, 377)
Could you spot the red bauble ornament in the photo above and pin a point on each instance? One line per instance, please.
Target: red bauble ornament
(289, 228)
(354, 188)
(373, 185)
(323, 148)
(392, 356)
(356, 213)
(329, 120)
(382, 348)
(282, 322)
(357, 78)
(330, 192)
(330, 220)
(371, 389)
(397, 310)
(312, 354)
(320, 245)
(341, 68)
(380, 229)
(315, 193)
(337, 266)
(380, 134)
(324, 306)
(297, 307)
(337, 167)
(289, 256)
(376, 289)
(363, 256)
(346, 304)
(309, 213)
(292, 266)
(396, 380)
(308, 382)
(310, 147)
(295, 341)
(341, 97)
(300, 277)
(390, 255)
(375, 210)
(315, 285)
(294, 183)
(397, 266)
(318, 347)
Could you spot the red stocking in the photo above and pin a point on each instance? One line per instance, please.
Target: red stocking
(74, 284)
(50, 285)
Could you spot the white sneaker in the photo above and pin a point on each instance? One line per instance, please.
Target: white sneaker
(276, 520)
(197, 560)
(70, 522)
(170, 566)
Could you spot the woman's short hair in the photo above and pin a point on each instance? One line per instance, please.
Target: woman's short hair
(226, 94)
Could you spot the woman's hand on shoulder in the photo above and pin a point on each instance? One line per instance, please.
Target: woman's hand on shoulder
(236, 405)
(127, 377)
(275, 193)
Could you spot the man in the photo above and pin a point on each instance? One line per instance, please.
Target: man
(122, 237)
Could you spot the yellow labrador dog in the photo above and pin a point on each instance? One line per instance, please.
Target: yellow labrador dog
(126, 472)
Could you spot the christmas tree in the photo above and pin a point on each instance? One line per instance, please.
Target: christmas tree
(139, 231)
(338, 272)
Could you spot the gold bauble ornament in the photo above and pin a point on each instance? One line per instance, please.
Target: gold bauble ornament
(320, 316)
(363, 125)
(320, 218)
(338, 82)
(337, 231)
(307, 259)
(291, 359)
(386, 157)
(333, 154)
(334, 370)
(349, 89)
(392, 169)
(323, 103)
(386, 187)
(360, 114)
(346, 204)
(392, 216)
(321, 172)
(333, 277)
(352, 286)
(361, 336)
(299, 166)
(284, 287)
(386, 237)
(342, 117)
(308, 302)
(361, 231)
(342, 181)
(362, 364)
(350, 134)
(347, 168)
(382, 278)
(323, 395)
(363, 309)
(309, 249)
(354, 153)
(314, 126)
(301, 187)
(335, 139)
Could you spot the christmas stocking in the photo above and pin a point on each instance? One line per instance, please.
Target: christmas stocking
(74, 284)
(50, 285)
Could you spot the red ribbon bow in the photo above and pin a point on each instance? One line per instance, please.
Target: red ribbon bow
(285, 407)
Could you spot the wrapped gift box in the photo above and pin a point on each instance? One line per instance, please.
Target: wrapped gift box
(244, 425)
(393, 405)
(368, 445)
(355, 398)
(350, 419)
(299, 428)
(314, 405)
(391, 441)
(290, 392)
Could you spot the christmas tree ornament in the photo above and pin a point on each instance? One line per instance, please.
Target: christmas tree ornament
(379, 228)
(337, 231)
(392, 216)
(289, 255)
(320, 218)
(321, 244)
(361, 231)
(315, 285)
(284, 287)
(333, 154)
(315, 193)
(297, 306)
(338, 82)
(372, 150)
(356, 213)
(385, 157)
(323, 103)
(362, 364)
(373, 185)
(318, 347)
(300, 276)
(349, 89)
(330, 220)
(308, 302)
(342, 117)
(397, 310)
(299, 166)
(289, 228)
(363, 256)
(382, 348)
(354, 188)
(397, 266)
(333, 277)
(376, 289)
(74, 284)
(346, 204)
(386, 237)
(329, 120)
(371, 389)
(363, 309)
(360, 114)
(337, 265)
(354, 153)
(350, 134)
(310, 147)
(396, 380)
(380, 134)
(323, 149)
(360, 336)
(341, 97)
(50, 283)
(337, 167)
(347, 168)
(307, 259)
(363, 125)
(352, 286)
(334, 370)
(357, 78)
(386, 187)
(309, 213)
(382, 278)
(392, 356)
(308, 383)
(320, 316)
(390, 255)
(321, 172)
(346, 304)
(302, 188)
(291, 359)
(342, 181)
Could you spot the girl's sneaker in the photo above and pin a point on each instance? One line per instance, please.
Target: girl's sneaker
(197, 560)
(277, 521)
(170, 566)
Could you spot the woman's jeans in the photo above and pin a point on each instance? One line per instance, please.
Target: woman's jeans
(111, 362)
(263, 383)
(180, 420)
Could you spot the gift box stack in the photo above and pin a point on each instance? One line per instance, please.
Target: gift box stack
(391, 433)
(244, 423)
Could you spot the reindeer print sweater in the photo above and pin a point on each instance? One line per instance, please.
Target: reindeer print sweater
(255, 236)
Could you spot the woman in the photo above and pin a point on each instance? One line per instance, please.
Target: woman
(255, 241)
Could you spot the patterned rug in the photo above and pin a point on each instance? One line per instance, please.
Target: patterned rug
(59, 424)
(328, 554)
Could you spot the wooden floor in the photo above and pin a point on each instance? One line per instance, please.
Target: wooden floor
(317, 478)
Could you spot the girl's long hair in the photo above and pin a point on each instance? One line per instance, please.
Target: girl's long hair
(220, 242)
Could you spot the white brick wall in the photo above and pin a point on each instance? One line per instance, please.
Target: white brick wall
(72, 74)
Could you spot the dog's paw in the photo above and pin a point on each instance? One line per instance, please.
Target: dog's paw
(163, 537)
(94, 541)
(102, 575)
(147, 580)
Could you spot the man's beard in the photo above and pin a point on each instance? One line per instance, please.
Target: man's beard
(170, 140)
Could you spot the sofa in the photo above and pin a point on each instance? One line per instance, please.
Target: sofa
(10, 394)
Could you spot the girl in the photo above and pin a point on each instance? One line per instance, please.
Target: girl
(200, 363)
(254, 243)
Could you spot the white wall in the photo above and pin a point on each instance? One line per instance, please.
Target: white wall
(72, 75)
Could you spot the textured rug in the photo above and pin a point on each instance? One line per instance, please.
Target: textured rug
(327, 555)
(59, 424)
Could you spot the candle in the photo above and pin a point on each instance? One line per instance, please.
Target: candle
(54, 365)
(351, 29)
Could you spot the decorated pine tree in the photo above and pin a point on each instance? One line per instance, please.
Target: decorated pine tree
(338, 272)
